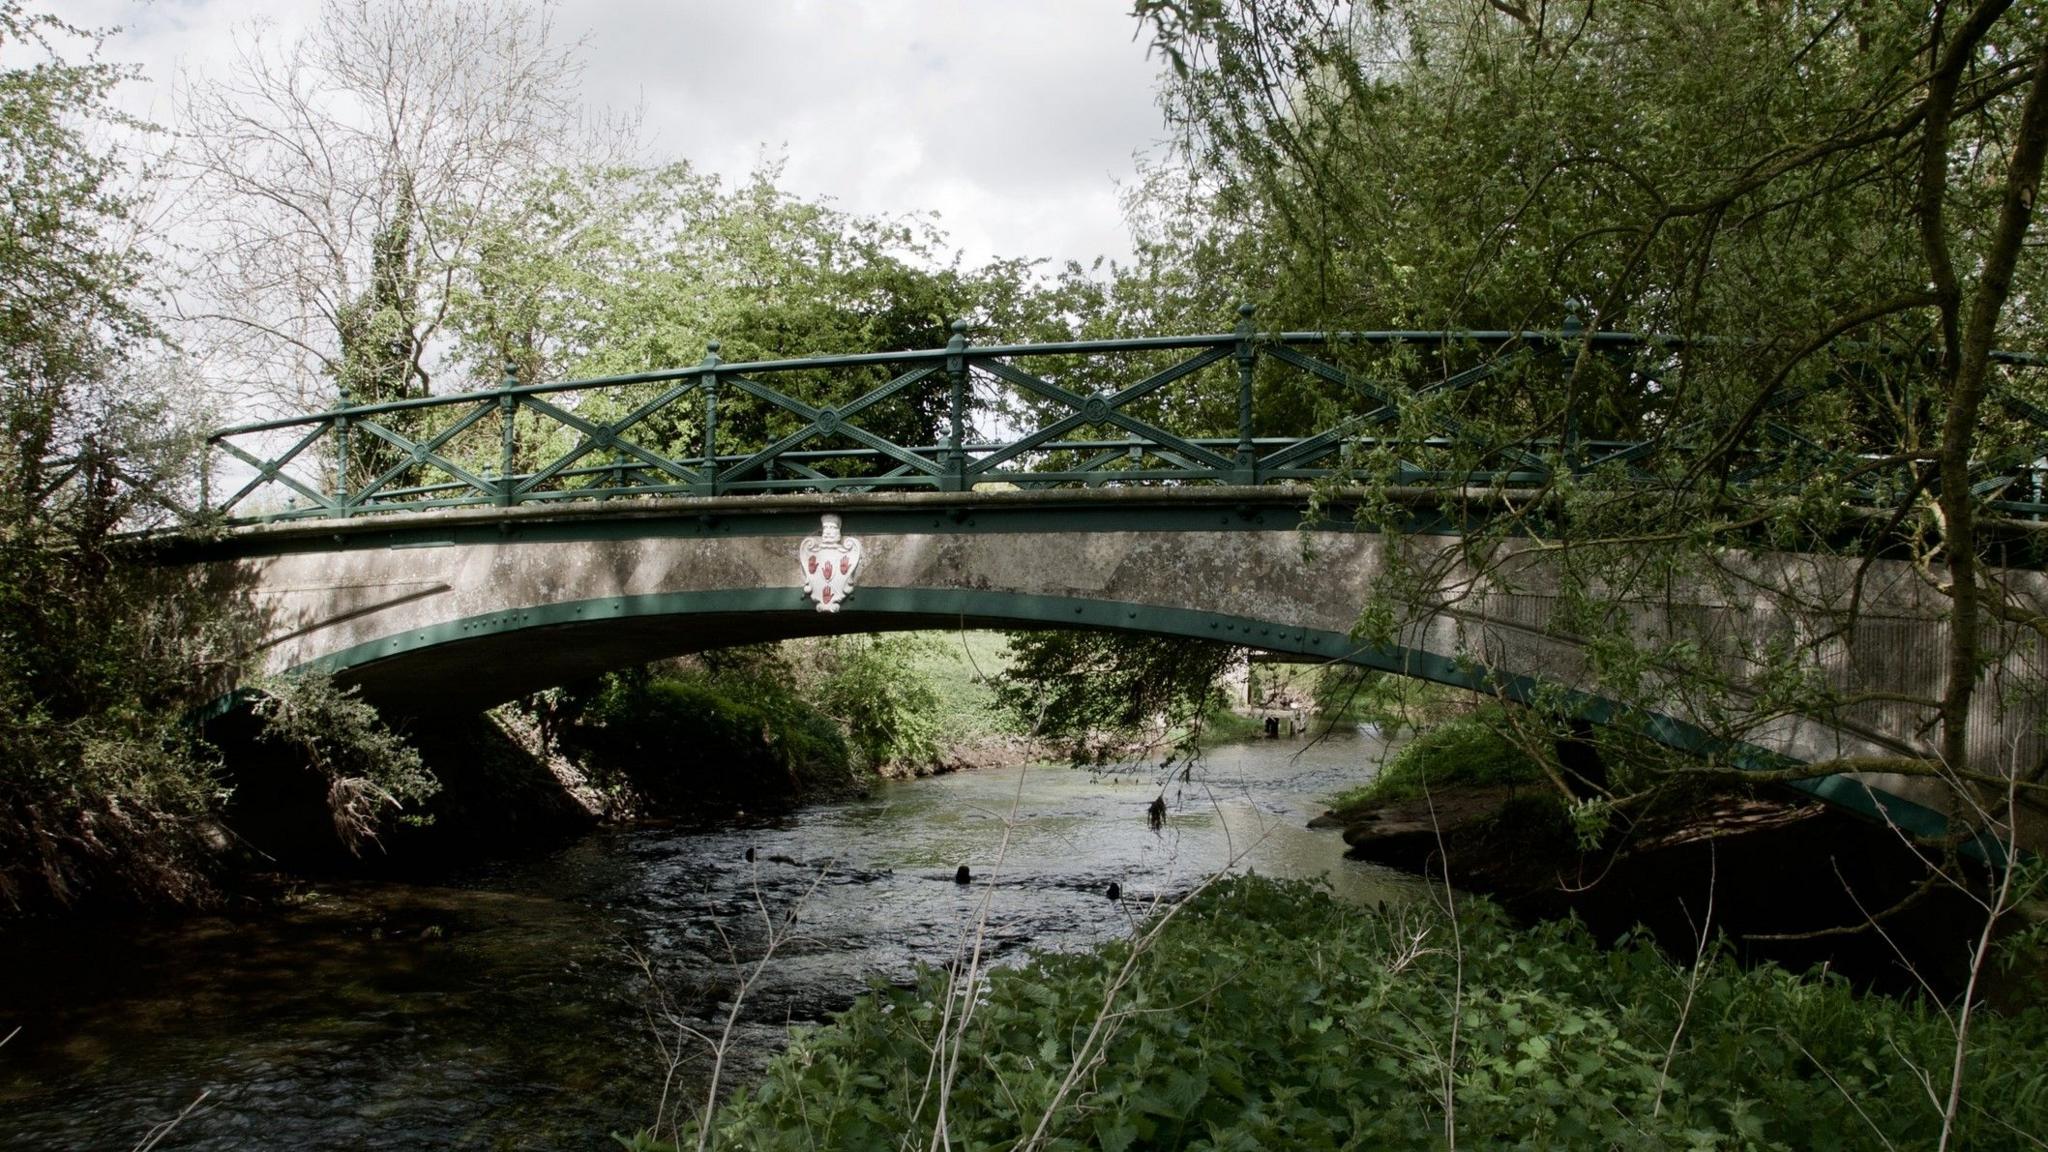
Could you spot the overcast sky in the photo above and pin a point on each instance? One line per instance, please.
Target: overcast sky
(1015, 120)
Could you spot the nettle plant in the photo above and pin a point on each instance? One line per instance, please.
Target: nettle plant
(1265, 1014)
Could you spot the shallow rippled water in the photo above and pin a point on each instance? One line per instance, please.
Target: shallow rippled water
(508, 1007)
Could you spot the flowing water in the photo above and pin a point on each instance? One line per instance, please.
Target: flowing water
(511, 1006)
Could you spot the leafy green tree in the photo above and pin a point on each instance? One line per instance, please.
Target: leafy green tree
(101, 783)
(1829, 206)
(889, 708)
(599, 271)
(1073, 686)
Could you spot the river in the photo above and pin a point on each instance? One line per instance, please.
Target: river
(510, 1006)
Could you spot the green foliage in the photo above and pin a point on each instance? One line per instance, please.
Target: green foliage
(371, 771)
(961, 669)
(620, 269)
(689, 736)
(623, 269)
(810, 713)
(829, 706)
(889, 711)
(1348, 693)
(101, 786)
(1072, 685)
(1225, 725)
(1469, 751)
(1824, 202)
(1268, 1015)
(1434, 164)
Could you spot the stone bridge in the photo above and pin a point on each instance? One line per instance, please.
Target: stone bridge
(463, 608)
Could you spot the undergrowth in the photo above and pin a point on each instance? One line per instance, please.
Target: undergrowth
(1267, 1015)
(686, 739)
(1464, 751)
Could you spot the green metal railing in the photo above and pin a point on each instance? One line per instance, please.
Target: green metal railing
(1180, 410)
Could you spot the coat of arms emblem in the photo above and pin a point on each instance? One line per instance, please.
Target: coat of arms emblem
(827, 562)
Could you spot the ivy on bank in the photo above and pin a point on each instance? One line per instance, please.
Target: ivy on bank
(1267, 1015)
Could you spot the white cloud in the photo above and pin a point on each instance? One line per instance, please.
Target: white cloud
(1013, 119)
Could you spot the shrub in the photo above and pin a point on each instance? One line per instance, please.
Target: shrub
(1266, 1015)
(371, 772)
(886, 703)
(685, 739)
(1468, 750)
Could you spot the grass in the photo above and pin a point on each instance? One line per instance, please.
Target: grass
(959, 666)
(1465, 751)
(1223, 726)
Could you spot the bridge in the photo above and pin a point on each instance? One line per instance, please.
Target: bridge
(452, 552)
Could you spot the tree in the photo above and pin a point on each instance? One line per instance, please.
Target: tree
(101, 783)
(336, 181)
(1829, 206)
(597, 271)
(1079, 686)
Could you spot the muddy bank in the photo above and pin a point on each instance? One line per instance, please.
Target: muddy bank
(1757, 867)
(978, 754)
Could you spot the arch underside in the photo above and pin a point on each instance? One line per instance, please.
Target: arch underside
(478, 661)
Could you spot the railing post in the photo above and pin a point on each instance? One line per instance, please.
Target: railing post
(341, 463)
(1568, 342)
(955, 479)
(508, 412)
(1247, 358)
(711, 362)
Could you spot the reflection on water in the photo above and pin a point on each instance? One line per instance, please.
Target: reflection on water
(508, 1009)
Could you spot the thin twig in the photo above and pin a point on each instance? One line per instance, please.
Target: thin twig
(157, 1134)
(1692, 981)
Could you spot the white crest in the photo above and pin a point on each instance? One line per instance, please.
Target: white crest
(827, 562)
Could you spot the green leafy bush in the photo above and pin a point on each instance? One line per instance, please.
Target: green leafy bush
(889, 709)
(689, 739)
(1267, 1015)
(371, 771)
(104, 791)
(1467, 750)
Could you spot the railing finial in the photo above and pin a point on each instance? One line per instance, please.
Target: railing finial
(711, 348)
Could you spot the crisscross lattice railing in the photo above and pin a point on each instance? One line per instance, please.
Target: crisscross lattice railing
(1240, 408)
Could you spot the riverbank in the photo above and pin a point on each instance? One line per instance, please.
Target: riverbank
(737, 735)
(1787, 879)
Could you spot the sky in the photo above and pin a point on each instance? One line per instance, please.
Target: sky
(1016, 121)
